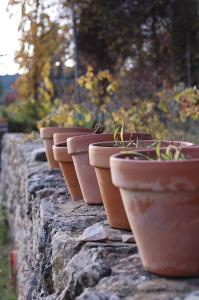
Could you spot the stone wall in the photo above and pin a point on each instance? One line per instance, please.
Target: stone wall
(65, 249)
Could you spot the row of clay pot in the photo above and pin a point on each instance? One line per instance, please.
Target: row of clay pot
(71, 153)
(78, 151)
(100, 154)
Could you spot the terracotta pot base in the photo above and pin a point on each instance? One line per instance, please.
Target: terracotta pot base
(71, 180)
(112, 201)
(161, 222)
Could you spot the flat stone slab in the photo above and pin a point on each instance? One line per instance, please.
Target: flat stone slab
(65, 249)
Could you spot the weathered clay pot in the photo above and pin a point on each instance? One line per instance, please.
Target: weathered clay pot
(99, 155)
(78, 148)
(161, 199)
(60, 152)
(67, 167)
(47, 137)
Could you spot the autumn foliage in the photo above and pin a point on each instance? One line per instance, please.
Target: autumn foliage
(132, 61)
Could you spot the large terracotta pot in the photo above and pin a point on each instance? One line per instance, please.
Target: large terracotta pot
(47, 137)
(161, 199)
(99, 155)
(60, 152)
(78, 148)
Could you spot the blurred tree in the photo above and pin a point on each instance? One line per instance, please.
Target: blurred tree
(156, 40)
(117, 29)
(185, 40)
(149, 45)
(41, 51)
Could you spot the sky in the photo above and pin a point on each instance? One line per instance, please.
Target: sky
(8, 39)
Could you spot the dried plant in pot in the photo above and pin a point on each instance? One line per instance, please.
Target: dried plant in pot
(78, 148)
(160, 193)
(60, 152)
(99, 155)
(47, 137)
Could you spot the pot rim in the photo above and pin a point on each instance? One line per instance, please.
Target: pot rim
(120, 157)
(100, 153)
(67, 135)
(80, 144)
(60, 153)
(156, 176)
(109, 144)
(47, 132)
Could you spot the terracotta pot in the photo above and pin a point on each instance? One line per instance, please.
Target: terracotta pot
(99, 155)
(67, 167)
(60, 152)
(161, 199)
(47, 137)
(78, 148)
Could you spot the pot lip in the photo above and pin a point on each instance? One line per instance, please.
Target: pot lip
(47, 132)
(100, 153)
(60, 152)
(105, 146)
(119, 158)
(77, 133)
(110, 144)
(67, 135)
(81, 143)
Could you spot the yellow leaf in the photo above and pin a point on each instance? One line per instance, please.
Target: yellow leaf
(89, 86)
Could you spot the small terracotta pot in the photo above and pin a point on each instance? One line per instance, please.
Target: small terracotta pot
(67, 167)
(161, 199)
(47, 137)
(60, 152)
(99, 155)
(78, 148)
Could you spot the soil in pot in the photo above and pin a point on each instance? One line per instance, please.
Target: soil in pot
(99, 155)
(47, 137)
(78, 148)
(161, 199)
